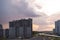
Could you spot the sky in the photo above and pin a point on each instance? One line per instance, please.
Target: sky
(43, 12)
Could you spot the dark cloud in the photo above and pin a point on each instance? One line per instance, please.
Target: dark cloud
(11, 10)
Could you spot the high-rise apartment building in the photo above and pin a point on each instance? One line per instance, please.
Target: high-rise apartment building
(25, 27)
(57, 27)
(21, 28)
(12, 27)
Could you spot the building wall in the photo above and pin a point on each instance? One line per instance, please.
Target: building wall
(12, 33)
(57, 27)
(7, 33)
(29, 32)
(1, 32)
(17, 31)
(20, 28)
(21, 32)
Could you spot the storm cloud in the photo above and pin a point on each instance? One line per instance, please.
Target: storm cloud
(16, 9)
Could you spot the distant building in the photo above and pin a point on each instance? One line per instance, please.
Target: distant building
(1, 26)
(1, 31)
(57, 27)
(21, 28)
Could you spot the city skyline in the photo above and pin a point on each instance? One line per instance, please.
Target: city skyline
(43, 12)
(17, 28)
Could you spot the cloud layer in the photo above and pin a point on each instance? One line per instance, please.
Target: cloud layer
(16, 9)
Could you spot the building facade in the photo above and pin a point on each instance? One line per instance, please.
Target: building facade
(6, 33)
(12, 33)
(20, 28)
(26, 28)
(1, 31)
(57, 27)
